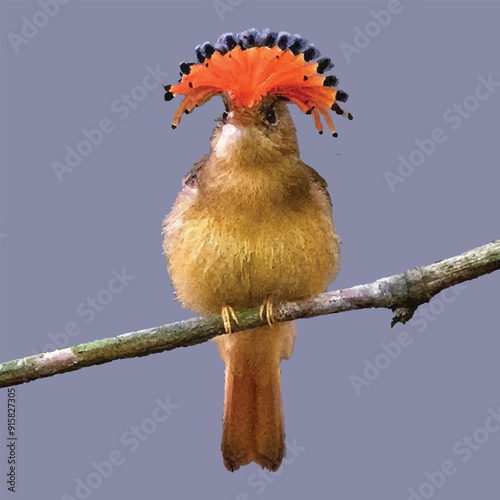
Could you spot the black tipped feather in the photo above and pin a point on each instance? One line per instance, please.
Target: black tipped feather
(283, 40)
(324, 64)
(341, 96)
(186, 67)
(225, 43)
(311, 53)
(270, 41)
(331, 81)
(199, 54)
(208, 50)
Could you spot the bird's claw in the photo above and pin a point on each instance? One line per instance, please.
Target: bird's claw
(267, 309)
(226, 314)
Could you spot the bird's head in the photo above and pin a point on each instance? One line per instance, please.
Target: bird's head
(257, 73)
(263, 131)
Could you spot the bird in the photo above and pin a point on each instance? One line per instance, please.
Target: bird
(253, 224)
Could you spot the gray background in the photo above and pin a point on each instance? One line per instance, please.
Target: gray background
(65, 238)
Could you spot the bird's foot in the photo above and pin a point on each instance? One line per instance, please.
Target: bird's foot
(266, 309)
(228, 313)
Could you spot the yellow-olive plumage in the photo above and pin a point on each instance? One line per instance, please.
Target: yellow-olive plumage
(253, 223)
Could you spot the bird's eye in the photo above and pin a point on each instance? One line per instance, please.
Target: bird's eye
(270, 117)
(222, 119)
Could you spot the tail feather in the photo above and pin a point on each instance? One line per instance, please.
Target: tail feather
(269, 431)
(253, 422)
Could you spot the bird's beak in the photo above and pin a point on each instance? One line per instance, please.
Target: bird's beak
(232, 132)
(241, 118)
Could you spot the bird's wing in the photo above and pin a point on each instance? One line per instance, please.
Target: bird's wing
(320, 183)
(191, 178)
(185, 199)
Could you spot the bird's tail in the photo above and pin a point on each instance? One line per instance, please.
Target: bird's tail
(253, 422)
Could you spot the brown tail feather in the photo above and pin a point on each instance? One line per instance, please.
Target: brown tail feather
(253, 423)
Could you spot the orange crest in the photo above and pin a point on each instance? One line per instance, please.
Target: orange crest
(251, 65)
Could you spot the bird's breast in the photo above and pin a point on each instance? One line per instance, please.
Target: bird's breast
(239, 254)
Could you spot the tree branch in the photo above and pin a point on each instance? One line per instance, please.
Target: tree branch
(402, 293)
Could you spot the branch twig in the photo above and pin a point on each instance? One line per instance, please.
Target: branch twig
(402, 293)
